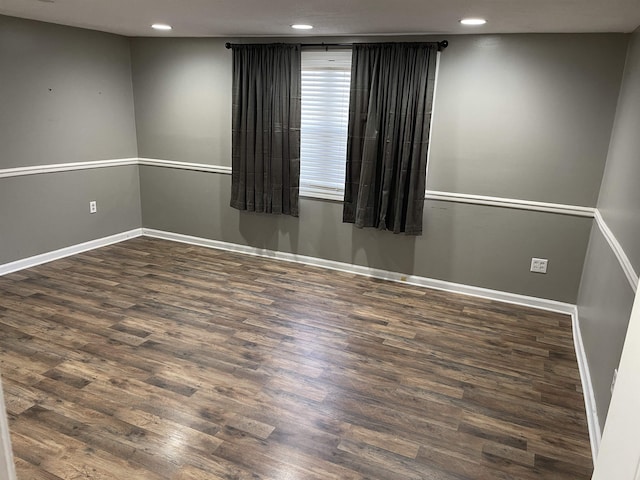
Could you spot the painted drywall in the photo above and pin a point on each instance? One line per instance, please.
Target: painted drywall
(604, 305)
(606, 297)
(516, 116)
(66, 95)
(620, 205)
(42, 213)
(619, 201)
(619, 456)
(183, 99)
(476, 245)
(528, 150)
(526, 116)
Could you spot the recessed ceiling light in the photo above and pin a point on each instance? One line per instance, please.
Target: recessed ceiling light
(473, 21)
(301, 26)
(161, 26)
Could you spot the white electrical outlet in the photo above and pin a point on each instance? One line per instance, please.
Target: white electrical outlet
(93, 206)
(539, 265)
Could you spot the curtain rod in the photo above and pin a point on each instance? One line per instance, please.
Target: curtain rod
(441, 45)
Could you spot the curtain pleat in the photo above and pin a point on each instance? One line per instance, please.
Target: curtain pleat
(389, 119)
(266, 128)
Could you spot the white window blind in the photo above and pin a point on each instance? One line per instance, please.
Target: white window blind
(326, 77)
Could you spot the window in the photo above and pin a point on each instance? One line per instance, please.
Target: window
(326, 77)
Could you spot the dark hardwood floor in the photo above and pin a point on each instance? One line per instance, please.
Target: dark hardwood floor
(157, 360)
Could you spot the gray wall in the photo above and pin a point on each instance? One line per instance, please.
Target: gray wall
(476, 245)
(526, 116)
(66, 96)
(606, 298)
(520, 116)
(183, 99)
(41, 213)
(619, 200)
(604, 305)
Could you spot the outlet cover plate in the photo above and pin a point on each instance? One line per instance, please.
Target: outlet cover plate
(539, 265)
(93, 206)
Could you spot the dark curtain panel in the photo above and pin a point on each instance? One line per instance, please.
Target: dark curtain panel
(389, 118)
(266, 128)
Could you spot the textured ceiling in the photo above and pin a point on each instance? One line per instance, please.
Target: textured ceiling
(331, 17)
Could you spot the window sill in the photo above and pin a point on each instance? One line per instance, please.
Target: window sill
(322, 193)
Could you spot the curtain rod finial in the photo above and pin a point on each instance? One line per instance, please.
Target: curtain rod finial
(227, 45)
(443, 44)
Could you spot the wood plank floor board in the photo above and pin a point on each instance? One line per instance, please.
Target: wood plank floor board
(158, 360)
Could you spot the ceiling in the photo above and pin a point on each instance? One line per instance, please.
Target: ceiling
(331, 17)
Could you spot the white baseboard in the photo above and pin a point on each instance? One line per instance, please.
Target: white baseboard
(540, 303)
(543, 304)
(524, 300)
(593, 421)
(534, 302)
(67, 251)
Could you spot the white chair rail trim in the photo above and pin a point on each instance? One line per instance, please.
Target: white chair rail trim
(556, 208)
(309, 192)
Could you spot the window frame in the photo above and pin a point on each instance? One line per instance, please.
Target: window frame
(307, 190)
(311, 57)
